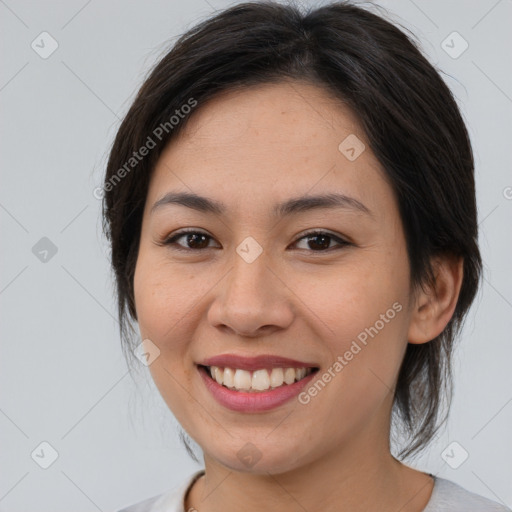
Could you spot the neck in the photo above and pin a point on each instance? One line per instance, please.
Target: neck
(361, 476)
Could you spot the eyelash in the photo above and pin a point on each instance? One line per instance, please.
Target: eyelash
(311, 234)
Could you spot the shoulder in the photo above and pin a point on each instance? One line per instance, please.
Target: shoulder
(170, 501)
(447, 496)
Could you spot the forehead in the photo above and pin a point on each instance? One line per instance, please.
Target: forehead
(272, 140)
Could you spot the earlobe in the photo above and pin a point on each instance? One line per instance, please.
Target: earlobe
(434, 306)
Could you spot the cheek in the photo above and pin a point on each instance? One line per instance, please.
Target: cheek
(351, 297)
(362, 308)
(164, 305)
(162, 297)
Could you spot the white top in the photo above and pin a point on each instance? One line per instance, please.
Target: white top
(447, 496)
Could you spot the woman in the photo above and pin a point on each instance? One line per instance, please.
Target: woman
(291, 208)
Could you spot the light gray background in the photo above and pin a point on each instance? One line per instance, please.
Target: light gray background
(63, 379)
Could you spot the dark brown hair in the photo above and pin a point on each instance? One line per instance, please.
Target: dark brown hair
(411, 121)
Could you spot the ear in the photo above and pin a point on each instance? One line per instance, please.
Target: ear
(434, 307)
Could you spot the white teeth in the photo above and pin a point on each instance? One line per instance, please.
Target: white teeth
(228, 377)
(242, 379)
(218, 374)
(276, 377)
(258, 380)
(289, 375)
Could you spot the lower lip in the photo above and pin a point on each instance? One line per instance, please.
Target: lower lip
(253, 402)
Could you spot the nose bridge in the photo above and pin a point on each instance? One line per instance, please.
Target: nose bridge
(249, 280)
(250, 296)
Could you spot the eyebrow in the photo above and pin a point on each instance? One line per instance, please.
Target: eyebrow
(286, 208)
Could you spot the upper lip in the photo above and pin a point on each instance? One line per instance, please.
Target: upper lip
(255, 363)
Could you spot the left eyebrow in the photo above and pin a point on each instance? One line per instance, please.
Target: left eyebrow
(286, 208)
(334, 200)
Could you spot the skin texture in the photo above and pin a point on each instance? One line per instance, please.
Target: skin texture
(304, 300)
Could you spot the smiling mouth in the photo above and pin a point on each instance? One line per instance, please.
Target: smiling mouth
(256, 381)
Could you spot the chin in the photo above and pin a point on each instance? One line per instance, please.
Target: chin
(259, 458)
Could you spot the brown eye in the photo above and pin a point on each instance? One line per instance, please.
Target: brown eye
(194, 240)
(320, 241)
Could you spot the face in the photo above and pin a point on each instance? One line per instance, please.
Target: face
(326, 285)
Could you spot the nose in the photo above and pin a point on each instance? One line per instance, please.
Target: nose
(252, 299)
